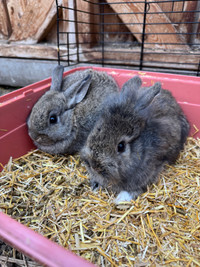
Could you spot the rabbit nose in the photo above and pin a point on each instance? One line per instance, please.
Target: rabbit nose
(44, 140)
(94, 185)
(95, 165)
(38, 139)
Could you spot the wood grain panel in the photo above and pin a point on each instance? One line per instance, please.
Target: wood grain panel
(159, 30)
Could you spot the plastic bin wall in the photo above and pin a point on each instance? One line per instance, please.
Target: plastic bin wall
(15, 142)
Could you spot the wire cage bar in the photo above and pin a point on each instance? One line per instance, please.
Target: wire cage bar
(162, 35)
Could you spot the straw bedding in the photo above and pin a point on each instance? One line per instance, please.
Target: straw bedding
(9, 257)
(52, 195)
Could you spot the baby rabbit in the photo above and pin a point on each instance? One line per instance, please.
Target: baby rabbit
(63, 117)
(139, 130)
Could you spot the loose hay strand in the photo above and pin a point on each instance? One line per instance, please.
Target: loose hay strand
(106, 256)
(150, 225)
(52, 195)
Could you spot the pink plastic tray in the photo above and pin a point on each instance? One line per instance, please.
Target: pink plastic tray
(15, 142)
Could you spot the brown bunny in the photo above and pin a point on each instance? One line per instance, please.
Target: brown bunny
(63, 117)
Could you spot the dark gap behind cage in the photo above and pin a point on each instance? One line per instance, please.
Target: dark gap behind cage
(156, 36)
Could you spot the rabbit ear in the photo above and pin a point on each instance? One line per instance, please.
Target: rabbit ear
(145, 99)
(77, 91)
(132, 84)
(57, 78)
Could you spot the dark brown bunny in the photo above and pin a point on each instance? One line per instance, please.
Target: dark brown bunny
(138, 132)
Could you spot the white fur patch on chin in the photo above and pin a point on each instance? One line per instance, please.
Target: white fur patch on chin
(122, 197)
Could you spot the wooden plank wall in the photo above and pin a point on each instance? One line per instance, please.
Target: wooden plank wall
(158, 47)
(153, 30)
(28, 30)
(5, 25)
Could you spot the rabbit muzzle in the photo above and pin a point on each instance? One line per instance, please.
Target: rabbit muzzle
(44, 140)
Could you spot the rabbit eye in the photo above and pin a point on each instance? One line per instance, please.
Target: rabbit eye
(53, 119)
(121, 147)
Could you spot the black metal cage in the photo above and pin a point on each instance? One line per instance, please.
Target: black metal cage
(160, 35)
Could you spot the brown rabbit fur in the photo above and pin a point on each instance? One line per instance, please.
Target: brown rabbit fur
(63, 117)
